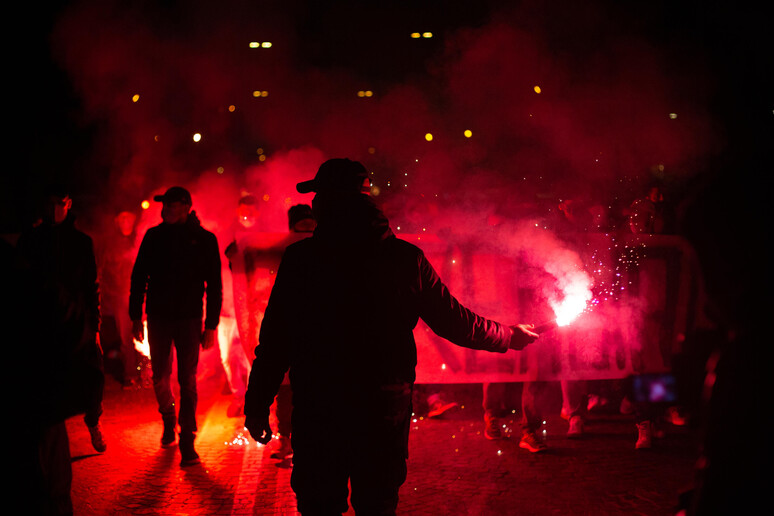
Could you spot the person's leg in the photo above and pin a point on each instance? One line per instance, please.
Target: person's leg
(160, 344)
(284, 426)
(129, 359)
(235, 364)
(376, 483)
(494, 407)
(187, 339)
(574, 396)
(55, 471)
(531, 418)
(320, 468)
(380, 453)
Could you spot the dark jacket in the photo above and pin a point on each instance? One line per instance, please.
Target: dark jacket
(343, 308)
(58, 304)
(174, 264)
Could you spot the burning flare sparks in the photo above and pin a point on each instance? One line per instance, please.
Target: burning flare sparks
(573, 295)
(143, 347)
(577, 297)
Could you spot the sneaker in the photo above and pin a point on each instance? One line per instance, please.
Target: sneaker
(494, 427)
(284, 450)
(576, 428)
(97, 440)
(168, 437)
(530, 442)
(645, 435)
(438, 406)
(188, 454)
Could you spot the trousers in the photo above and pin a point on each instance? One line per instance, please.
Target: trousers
(185, 335)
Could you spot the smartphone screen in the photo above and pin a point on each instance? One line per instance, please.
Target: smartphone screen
(654, 388)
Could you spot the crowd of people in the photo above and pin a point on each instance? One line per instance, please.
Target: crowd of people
(327, 345)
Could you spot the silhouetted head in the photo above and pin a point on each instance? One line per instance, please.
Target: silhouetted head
(56, 204)
(125, 222)
(176, 205)
(247, 211)
(339, 175)
(301, 219)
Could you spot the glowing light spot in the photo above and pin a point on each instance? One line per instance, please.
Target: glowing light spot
(197, 137)
(416, 35)
(265, 197)
(468, 133)
(255, 44)
(537, 89)
(260, 93)
(371, 150)
(145, 205)
(232, 108)
(427, 34)
(429, 137)
(443, 366)
(673, 116)
(262, 157)
(221, 170)
(259, 150)
(135, 97)
(266, 44)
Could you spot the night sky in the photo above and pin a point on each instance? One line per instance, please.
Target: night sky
(611, 74)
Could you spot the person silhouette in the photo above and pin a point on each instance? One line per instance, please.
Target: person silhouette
(339, 321)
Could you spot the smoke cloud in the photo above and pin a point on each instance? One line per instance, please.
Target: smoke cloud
(510, 112)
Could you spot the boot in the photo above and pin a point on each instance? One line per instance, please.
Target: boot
(188, 455)
(168, 437)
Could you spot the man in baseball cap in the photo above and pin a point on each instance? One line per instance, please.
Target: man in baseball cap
(175, 194)
(339, 175)
(340, 321)
(178, 263)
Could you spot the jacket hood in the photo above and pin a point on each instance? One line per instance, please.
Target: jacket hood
(349, 217)
(193, 220)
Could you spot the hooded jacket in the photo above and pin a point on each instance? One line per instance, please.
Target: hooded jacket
(174, 265)
(343, 308)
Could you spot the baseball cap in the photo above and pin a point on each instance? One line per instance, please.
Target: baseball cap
(338, 175)
(175, 194)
